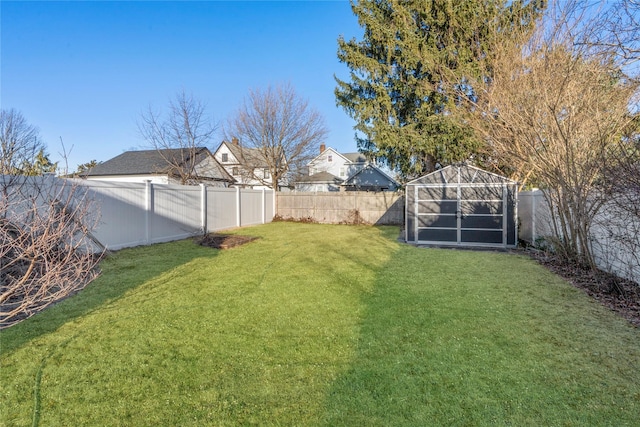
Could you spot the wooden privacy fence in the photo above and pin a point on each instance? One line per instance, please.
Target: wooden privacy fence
(380, 208)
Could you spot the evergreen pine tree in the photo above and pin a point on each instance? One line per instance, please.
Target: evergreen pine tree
(40, 165)
(399, 91)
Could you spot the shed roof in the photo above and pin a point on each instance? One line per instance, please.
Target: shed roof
(467, 174)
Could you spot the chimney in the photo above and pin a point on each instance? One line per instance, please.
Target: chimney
(234, 141)
(322, 148)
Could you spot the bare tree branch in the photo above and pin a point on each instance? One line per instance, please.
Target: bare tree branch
(47, 251)
(19, 142)
(282, 128)
(555, 110)
(179, 135)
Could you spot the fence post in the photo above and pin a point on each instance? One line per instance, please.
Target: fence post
(264, 205)
(203, 208)
(534, 202)
(238, 207)
(148, 208)
(505, 215)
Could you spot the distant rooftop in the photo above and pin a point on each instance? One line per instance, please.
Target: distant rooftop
(150, 162)
(355, 157)
(320, 177)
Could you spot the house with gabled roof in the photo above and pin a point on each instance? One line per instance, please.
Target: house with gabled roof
(321, 181)
(165, 166)
(370, 178)
(246, 165)
(335, 171)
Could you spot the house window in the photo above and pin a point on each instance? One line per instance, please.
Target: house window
(234, 171)
(225, 157)
(341, 171)
(265, 173)
(329, 158)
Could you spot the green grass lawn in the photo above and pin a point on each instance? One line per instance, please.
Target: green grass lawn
(321, 325)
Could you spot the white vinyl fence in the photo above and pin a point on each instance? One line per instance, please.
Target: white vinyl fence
(614, 237)
(133, 214)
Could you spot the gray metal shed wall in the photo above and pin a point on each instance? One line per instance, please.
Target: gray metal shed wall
(440, 183)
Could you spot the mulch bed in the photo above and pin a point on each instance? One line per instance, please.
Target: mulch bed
(620, 295)
(224, 241)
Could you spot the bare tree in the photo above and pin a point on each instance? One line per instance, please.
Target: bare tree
(46, 246)
(19, 142)
(614, 26)
(280, 130)
(619, 29)
(555, 110)
(179, 135)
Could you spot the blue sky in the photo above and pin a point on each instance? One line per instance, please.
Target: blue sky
(83, 71)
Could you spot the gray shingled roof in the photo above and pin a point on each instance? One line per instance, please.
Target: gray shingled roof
(152, 162)
(355, 157)
(320, 177)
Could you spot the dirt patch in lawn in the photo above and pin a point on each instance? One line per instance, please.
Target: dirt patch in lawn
(619, 295)
(224, 241)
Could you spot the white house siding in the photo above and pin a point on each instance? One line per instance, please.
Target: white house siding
(232, 164)
(335, 163)
(231, 160)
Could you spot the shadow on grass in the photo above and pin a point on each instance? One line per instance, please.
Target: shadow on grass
(121, 272)
(374, 389)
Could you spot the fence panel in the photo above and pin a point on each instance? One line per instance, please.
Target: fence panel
(250, 205)
(20, 195)
(176, 212)
(343, 207)
(221, 208)
(534, 215)
(612, 241)
(135, 214)
(615, 239)
(122, 213)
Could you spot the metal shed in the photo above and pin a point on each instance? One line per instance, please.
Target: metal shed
(462, 205)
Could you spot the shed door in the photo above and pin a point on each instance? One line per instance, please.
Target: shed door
(461, 214)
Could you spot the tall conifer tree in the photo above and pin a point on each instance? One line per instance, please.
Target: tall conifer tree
(398, 91)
